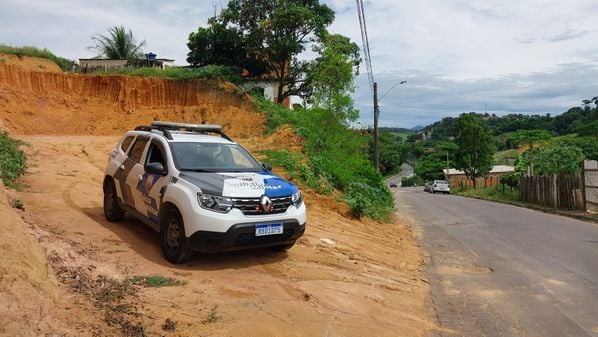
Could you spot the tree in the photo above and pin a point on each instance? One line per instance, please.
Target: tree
(118, 44)
(331, 75)
(475, 147)
(559, 159)
(274, 33)
(218, 44)
(530, 137)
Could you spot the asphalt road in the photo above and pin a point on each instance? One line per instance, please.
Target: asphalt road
(501, 270)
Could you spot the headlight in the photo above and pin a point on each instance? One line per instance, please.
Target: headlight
(215, 203)
(297, 199)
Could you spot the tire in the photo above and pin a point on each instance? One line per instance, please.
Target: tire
(172, 236)
(433, 192)
(112, 210)
(283, 248)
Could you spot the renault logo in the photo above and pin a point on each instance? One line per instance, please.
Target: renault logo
(266, 204)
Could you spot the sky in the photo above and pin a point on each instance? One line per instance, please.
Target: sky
(499, 56)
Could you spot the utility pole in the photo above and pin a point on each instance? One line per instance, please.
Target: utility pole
(376, 140)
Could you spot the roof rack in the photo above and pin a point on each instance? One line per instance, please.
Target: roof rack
(166, 127)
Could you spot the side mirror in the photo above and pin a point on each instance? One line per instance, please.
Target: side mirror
(267, 166)
(155, 168)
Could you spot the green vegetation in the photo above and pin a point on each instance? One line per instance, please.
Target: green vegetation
(558, 159)
(155, 281)
(474, 147)
(400, 134)
(497, 193)
(506, 157)
(17, 203)
(118, 44)
(229, 74)
(266, 38)
(333, 156)
(63, 63)
(12, 160)
(213, 316)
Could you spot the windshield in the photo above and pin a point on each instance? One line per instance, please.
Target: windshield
(213, 157)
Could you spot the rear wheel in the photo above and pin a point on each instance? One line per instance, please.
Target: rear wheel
(173, 240)
(112, 210)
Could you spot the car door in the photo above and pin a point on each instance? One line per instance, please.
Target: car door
(132, 172)
(150, 185)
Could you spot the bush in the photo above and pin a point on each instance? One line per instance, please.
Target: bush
(64, 64)
(334, 157)
(229, 74)
(12, 160)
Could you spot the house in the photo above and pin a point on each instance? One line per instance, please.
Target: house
(267, 83)
(458, 178)
(88, 65)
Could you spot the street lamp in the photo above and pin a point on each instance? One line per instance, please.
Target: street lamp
(376, 114)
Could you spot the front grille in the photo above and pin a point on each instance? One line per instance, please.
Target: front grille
(249, 239)
(251, 206)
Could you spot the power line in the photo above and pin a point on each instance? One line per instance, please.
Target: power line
(365, 43)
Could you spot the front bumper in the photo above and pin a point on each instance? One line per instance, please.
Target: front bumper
(242, 236)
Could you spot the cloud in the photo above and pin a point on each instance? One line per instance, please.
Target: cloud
(426, 98)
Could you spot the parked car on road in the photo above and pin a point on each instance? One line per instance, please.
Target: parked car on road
(440, 186)
(393, 185)
(201, 191)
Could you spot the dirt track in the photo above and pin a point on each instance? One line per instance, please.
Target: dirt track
(366, 284)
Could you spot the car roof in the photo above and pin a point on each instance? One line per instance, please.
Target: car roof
(183, 136)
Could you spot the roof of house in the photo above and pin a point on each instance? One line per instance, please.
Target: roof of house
(495, 169)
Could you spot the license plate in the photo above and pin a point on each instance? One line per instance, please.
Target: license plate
(269, 229)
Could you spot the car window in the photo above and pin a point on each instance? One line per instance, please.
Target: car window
(137, 149)
(214, 157)
(155, 155)
(126, 143)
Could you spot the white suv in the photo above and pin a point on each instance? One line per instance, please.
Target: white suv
(201, 191)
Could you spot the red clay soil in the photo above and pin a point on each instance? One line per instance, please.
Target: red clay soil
(345, 277)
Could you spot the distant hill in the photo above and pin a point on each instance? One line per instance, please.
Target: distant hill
(571, 121)
(416, 128)
(402, 133)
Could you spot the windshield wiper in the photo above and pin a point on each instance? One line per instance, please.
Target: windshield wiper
(195, 170)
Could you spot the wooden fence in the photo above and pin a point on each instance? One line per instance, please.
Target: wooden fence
(590, 170)
(556, 191)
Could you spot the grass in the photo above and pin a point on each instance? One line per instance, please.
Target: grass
(213, 316)
(63, 63)
(334, 157)
(155, 281)
(506, 157)
(497, 193)
(12, 160)
(211, 72)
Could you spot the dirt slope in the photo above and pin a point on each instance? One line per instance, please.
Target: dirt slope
(27, 282)
(33, 102)
(366, 282)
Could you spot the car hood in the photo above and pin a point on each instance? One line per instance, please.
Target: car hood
(240, 185)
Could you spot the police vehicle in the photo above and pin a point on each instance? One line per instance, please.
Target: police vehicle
(201, 191)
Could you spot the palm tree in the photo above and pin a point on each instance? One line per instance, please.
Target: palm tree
(118, 44)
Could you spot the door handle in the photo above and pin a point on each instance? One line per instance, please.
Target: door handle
(122, 167)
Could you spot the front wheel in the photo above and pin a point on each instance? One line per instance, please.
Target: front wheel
(112, 210)
(174, 242)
